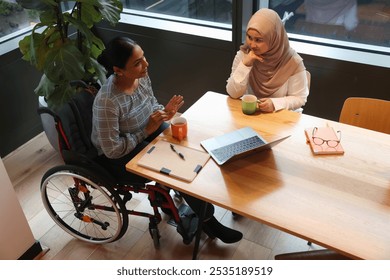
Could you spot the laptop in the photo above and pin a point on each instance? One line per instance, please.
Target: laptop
(236, 144)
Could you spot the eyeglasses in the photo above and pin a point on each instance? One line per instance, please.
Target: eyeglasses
(331, 143)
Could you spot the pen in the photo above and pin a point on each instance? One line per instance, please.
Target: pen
(179, 154)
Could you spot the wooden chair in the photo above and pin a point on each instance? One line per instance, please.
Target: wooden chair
(367, 113)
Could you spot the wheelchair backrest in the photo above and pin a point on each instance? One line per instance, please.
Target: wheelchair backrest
(73, 122)
(75, 125)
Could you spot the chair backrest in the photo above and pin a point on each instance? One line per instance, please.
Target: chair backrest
(75, 125)
(73, 122)
(308, 76)
(367, 113)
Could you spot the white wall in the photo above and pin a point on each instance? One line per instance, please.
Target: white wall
(15, 233)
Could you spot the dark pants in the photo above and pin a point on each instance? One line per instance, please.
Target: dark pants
(117, 168)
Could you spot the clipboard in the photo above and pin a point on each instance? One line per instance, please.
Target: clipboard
(161, 158)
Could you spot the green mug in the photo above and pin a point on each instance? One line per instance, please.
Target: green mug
(249, 104)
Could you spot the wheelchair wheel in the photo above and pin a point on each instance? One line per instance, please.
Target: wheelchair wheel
(83, 205)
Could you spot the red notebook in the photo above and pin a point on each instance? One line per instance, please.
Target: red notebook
(324, 141)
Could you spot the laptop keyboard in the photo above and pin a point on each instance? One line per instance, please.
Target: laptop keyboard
(224, 153)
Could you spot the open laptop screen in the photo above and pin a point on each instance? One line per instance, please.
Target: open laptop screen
(236, 144)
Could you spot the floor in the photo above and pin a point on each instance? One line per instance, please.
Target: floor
(26, 166)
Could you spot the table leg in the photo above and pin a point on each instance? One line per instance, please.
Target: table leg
(199, 230)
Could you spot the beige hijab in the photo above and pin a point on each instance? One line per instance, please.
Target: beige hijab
(280, 61)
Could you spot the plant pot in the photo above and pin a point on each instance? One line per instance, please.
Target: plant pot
(49, 126)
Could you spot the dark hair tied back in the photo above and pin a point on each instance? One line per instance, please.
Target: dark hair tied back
(117, 53)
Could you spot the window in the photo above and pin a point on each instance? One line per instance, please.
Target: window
(359, 25)
(205, 18)
(348, 21)
(219, 11)
(14, 18)
(15, 22)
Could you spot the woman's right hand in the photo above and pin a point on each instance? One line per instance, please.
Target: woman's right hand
(250, 57)
(155, 120)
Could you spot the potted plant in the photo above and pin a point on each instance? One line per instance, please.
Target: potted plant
(63, 47)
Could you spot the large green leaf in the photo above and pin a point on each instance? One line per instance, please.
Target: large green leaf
(65, 63)
(24, 47)
(34, 49)
(100, 71)
(45, 87)
(61, 94)
(89, 38)
(90, 15)
(41, 49)
(110, 10)
(53, 37)
(55, 94)
(95, 50)
(48, 17)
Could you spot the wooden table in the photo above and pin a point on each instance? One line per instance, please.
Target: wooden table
(341, 202)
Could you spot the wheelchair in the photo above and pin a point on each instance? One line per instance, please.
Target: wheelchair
(85, 200)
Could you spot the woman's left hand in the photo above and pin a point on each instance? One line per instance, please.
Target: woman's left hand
(174, 105)
(266, 105)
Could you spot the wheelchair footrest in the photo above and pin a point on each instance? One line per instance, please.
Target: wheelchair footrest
(183, 211)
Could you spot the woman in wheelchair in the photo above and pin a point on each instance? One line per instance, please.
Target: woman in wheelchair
(127, 116)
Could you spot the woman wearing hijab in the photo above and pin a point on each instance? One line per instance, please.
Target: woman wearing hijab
(268, 67)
